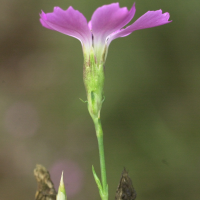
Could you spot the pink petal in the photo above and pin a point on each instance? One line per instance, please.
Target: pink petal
(148, 20)
(108, 19)
(70, 22)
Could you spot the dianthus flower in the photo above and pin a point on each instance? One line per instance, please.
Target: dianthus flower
(106, 24)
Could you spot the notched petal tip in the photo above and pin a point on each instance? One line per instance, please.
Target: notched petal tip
(42, 14)
(43, 20)
(167, 15)
(133, 7)
(69, 22)
(56, 8)
(132, 11)
(158, 14)
(162, 18)
(71, 8)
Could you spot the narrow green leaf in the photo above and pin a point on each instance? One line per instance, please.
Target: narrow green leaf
(98, 182)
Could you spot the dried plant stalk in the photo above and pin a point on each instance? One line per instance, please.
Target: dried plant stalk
(45, 187)
(125, 190)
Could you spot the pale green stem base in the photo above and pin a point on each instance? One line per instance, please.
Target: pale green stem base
(99, 133)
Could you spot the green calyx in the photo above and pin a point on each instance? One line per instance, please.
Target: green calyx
(93, 76)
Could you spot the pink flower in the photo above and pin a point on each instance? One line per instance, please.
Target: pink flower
(96, 35)
(106, 24)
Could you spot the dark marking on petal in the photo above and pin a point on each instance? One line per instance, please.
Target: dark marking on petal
(93, 40)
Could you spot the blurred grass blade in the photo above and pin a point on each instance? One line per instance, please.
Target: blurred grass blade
(61, 190)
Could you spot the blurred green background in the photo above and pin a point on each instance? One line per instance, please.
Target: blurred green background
(151, 115)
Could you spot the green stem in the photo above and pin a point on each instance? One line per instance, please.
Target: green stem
(99, 133)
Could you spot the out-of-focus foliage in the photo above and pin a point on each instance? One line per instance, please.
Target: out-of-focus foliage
(150, 116)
